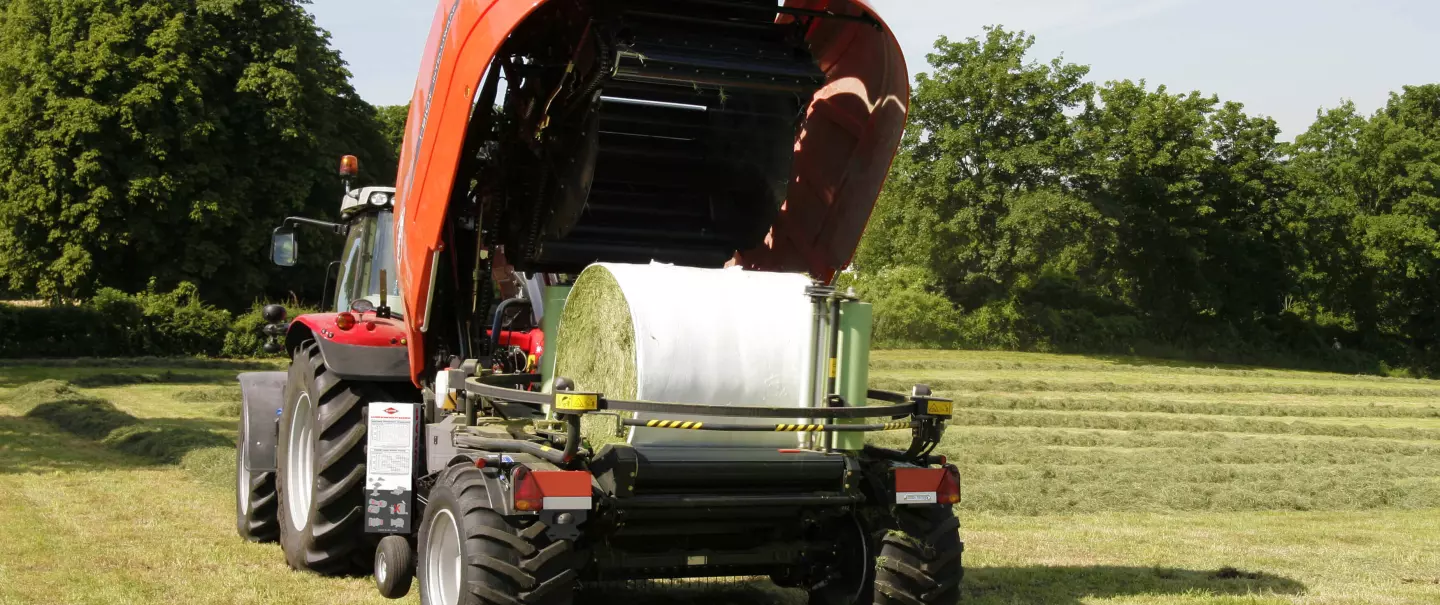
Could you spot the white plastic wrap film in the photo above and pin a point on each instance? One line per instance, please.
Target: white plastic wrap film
(718, 336)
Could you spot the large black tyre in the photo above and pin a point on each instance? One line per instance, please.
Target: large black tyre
(255, 502)
(321, 516)
(920, 563)
(501, 561)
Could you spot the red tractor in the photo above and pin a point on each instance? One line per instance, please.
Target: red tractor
(422, 432)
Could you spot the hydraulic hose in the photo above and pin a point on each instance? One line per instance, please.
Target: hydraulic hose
(514, 446)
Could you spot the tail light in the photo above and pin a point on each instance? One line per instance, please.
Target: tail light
(345, 320)
(949, 490)
(528, 496)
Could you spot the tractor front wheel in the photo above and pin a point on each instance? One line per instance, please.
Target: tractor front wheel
(321, 464)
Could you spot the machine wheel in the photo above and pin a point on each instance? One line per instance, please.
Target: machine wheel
(394, 567)
(255, 497)
(255, 500)
(921, 563)
(470, 555)
(851, 578)
(321, 461)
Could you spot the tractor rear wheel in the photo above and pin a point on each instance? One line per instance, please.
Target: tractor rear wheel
(920, 563)
(321, 462)
(471, 555)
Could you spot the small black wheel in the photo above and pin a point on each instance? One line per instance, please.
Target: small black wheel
(471, 555)
(920, 562)
(255, 499)
(394, 567)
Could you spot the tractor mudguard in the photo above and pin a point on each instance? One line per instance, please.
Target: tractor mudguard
(262, 394)
(364, 354)
(376, 364)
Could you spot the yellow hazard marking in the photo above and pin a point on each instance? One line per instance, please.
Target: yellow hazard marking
(675, 424)
(940, 408)
(799, 428)
(832, 367)
(897, 425)
(450, 403)
(577, 402)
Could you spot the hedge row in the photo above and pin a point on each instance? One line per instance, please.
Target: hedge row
(116, 324)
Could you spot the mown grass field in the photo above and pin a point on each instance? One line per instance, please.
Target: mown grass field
(1087, 480)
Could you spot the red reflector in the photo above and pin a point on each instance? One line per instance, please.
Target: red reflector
(949, 490)
(528, 495)
(917, 479)
(552, 490)
(345, 320)
(789, 451)
(480, 463)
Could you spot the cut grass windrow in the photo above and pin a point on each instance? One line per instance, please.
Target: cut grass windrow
(1211, 408)
(61, 406)
(1194, 424)
(1101, 367)
(956, 386)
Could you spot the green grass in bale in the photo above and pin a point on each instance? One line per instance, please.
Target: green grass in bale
(596, 343)
(595, 346)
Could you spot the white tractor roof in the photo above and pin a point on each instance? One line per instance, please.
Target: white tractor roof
(367, 197)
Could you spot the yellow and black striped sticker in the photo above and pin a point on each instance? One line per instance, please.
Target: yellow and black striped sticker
(895, 426)
(675, 424)
(799, 428)
(940, 408)
(577, 402)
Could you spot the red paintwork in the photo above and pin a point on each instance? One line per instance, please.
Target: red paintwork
(563, 484)
(532, 341)
(918, 479)
(387, 332)
(842, 154)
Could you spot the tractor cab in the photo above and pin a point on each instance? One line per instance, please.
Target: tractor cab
(364, 279)
(367, 262)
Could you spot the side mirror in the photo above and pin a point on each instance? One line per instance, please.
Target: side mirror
(283, 247)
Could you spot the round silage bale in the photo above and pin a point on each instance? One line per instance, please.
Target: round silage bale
(685, 335)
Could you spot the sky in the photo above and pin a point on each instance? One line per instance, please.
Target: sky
(1281, 58)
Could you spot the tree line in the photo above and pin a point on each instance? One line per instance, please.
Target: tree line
(162, 140)
(149, 143)
(1030, 208)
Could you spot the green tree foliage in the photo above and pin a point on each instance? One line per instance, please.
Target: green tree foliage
(1370, 192)
(392, 125)
(165, 139)
(1029, 208)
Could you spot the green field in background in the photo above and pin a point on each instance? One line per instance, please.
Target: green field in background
(1086, 480)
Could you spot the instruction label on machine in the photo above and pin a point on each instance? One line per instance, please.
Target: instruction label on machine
(389, 460)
